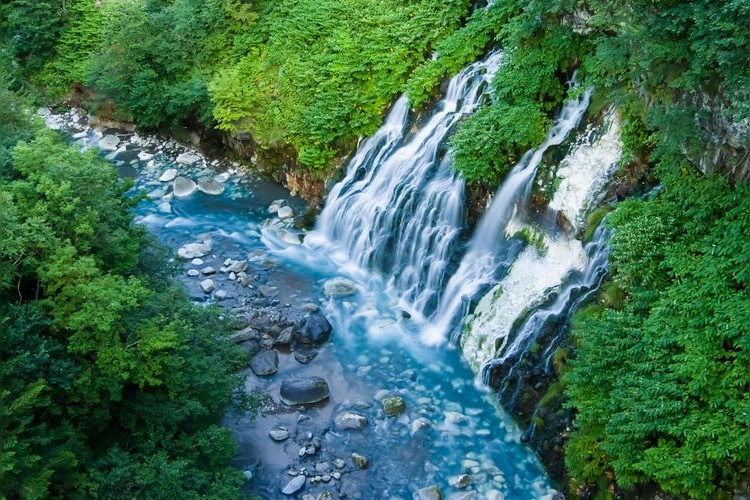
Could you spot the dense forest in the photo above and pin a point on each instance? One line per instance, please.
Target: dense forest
(118, 394)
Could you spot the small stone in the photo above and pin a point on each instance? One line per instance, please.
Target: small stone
(304, 356)
(310, 450)
(109, 142)
(336, 475)
(237, 266)
(193, 273)
(155, 194)
(309, 390)
(279, 434)
(393, 406)
(461, 481)
(360, 461)
(419, 425)
(208, 270)
(220, 295)
(285, 337)
(169, 175)
(207, 285)
(248, 475)
(165, 207)
(197, 262)
(232, 276)
(339, 464)
(317, 443)
(326, 478)
(310, 307)
(293, 486)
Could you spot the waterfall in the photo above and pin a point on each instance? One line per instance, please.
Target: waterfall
(398, 210)
(489, 248)
(548, 280)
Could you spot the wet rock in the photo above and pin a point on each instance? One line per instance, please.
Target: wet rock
(208, 270)
(279, 434)
(461, 481)
(393, 406)
(301, 391)
(339, 287)
(244, 335)
(419, 426)
(221, 295)
(295, 485)
(304, 356)
(109, 142)
(314, 329)
(248, 475)
(360, 461)
(429, 493)
(339, 464)
(285, 337)
(207, 285)
(155, 194)
(349, 420)
(183, 187)
(165, 207)
(211, 186)
(237, 266)
(169, 175)
(193, 250)
(193, 273)
(187, 158)
(285, 213)
(265, 363)
(250, 346)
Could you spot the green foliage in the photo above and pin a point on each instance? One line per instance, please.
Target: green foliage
(32, 28)
(661, 385)
(317, 75)
(111, 381)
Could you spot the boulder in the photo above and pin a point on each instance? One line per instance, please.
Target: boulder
(265, 363)
(207, 285)
(193, 250)
(237, 266)
(221, 295)
(419, 425)
(183, 187)
(393, 406)
(461, 481)
(293, 486)
(208, 270)
(285, 213)
(339, 287)
(285, 337)
(109, 142)
(349, 420)
(304, 356)
(168, 175)
(313, 328)
(211, 186)
(302, 391)
(188, 158)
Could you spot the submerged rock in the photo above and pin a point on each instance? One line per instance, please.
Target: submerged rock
(393, 406)
(183, 187)
(293, 486)
(207, 285)
(349, 420)
(265, 363)
(360, 461)
(339, 287)
(285, 213)
(302, 391)
(461, 481)
(279, 434)
(429, 493)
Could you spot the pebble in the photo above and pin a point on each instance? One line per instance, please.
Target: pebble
(208, 270)
(193, 273)
(197, 262)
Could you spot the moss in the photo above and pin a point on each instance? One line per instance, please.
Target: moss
(534, 238)
(560, 361)
(592, 222)
(553, 394)
(613, 296)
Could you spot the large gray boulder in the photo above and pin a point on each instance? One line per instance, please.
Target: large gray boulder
(183, 187)
(265, 363)
(293, 486)
(211, 186)
(302, 391)
(313, 328)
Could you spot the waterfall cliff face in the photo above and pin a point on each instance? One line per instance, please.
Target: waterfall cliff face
(399, 208)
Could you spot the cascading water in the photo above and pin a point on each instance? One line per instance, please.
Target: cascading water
(561, 268)
(399, 208)
(488, 249)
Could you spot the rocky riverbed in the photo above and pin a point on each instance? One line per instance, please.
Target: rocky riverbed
(353, 405)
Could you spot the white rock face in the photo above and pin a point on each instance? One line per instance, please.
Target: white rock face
(184, 187)
(109, 143)
(168, 175)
